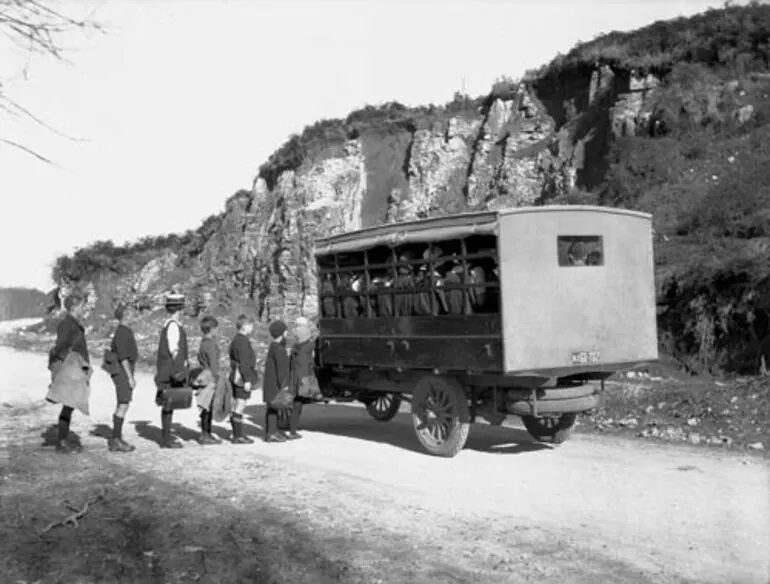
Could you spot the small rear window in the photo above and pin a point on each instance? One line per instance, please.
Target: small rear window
(580, 250)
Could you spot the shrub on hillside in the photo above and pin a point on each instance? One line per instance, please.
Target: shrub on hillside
(735, 37)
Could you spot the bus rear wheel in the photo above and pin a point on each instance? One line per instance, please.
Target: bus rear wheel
(384, 407)
(552, 429)
(440, 415)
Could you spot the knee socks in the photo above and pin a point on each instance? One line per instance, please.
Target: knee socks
(165, 418)
(271, 421)
(237, 422)
(65, 418)
(117, 427)
(296, 412)
(207, 417)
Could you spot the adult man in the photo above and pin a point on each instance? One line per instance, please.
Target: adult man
(70, 336)
(173, 365)
(124, 348)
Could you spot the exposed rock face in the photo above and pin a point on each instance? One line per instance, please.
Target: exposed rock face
(629, 116)
(438, 168)
(525, 149)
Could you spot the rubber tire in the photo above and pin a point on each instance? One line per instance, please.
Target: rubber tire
(458, 433)
(552, 436)
(556, 406)
(390, 412)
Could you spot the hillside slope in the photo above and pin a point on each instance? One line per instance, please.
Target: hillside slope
(22, 303)
(670, 119)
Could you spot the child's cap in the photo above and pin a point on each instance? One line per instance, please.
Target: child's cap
(277, 328)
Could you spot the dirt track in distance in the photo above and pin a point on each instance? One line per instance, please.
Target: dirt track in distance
(358, 501)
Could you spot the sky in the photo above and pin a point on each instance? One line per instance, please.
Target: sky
(176, 105)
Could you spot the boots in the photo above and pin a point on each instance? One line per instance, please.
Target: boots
(237, 422)
(63, 445)
(206, 436)
(116, 443)
(294, 416)
(272, 434)
(167, 440)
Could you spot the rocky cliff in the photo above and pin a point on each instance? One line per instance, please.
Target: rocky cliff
(578, 130)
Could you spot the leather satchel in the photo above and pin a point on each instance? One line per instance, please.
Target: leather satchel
(177, 398)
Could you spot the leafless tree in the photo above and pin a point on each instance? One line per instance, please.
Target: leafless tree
(38, 27)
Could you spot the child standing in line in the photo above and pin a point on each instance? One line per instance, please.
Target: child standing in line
(276, 378)
(243, 375)
(208, 358)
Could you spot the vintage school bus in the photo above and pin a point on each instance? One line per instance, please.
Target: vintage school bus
(486, 315)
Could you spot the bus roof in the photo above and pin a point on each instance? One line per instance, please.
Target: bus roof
(442, 228)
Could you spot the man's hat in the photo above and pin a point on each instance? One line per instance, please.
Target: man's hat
(174, 300)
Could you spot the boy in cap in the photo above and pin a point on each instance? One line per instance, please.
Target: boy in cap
(208, 358)
(276, 378)
(243, 375)
(173, 365)
(124, 348)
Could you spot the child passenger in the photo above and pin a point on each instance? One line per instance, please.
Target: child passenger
(208, 358)
(243, 375)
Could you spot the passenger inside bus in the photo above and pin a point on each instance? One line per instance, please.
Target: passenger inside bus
(477, 291)
(455, 294)
(329, 303)
(350, 303)
(433, 287)
(383, 285)
(430, 298)
(404, 285)
(594, 259)
(577, 254)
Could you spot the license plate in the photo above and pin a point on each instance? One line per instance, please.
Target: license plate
(585, 357)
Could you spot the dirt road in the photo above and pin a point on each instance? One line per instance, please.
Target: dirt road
(504, 510)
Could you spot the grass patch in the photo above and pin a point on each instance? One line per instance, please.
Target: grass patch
(720, 413)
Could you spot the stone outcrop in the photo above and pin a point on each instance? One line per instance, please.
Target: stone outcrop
(526, 148)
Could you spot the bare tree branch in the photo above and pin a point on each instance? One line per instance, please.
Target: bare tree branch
(27, 150)
(37, 28)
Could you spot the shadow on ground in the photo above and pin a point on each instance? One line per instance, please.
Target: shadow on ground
(50, 436)
(148, 530)
(148, 431)
(353, 422)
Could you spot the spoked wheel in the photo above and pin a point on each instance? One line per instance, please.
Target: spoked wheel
(385, 407)
(553, 429)
(440, 415)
